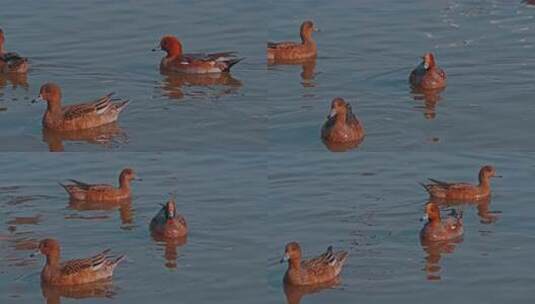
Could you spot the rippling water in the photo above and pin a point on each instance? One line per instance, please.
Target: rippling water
(243, 154)
(242, 208)
(366, 51)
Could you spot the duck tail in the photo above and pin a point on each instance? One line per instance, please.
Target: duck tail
(118, 260)
(426, 187)
(231, 63)
(341, 256)
(66, 187)
(121, 105)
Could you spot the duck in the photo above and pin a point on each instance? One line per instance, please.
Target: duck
(317, 270)
(307, 49)
(168, 223)
(463, 191)
(437, 229)
(78, 116)
(96, 193)
(74, 272)
(198, 63)
(342, 126)
(11, 62)
(427, 75)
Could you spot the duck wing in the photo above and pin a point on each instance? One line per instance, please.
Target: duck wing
(80, 184)
(282, 45)
(11, 56)
(221, 56)
(96, 107)
(79, 265)
(440, 183)
(324, 262)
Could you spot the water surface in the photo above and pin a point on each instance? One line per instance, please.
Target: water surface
(366, 51)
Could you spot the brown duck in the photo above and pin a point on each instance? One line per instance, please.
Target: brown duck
(80, 191)
(77, 116)
(462, 191)
(307, 49)
(74, 272)
(321, 269)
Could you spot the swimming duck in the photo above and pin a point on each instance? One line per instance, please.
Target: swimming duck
(293, 50)
(321, 269)
(437, 229)
(168, 223)
(11, 62)
(77, 116)
(198, 63)
(79, 191)
(73, 272)
(342, 125)
(463, 191)
(428, 75)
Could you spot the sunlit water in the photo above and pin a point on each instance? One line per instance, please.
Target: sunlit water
(243, 153)
(242, 208)
(366, 51)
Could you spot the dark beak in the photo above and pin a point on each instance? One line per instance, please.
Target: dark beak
(39, 98)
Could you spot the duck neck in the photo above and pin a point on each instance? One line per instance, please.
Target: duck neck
(124, 184)
(175, 50)
(52, 259)
(434, 219)
(306, 39)
(54, 106)
(341, 118)
(484, 182)
(294, 263)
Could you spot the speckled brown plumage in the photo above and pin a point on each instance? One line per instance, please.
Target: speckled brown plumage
(463, 191)
(428, 75)
(80, 191)
(321, 269)
(78, 271)
(306, 49)
(78, 116)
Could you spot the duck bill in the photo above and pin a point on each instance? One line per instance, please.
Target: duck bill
(284, 258)
(39, 98)
(424, 218)
(332, 114)
(35, 253)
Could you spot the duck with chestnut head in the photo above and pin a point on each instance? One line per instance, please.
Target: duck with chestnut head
(176, 60)
(427, 75)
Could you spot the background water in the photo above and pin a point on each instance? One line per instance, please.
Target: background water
(366, 51)
(245, 157)
(242, 208)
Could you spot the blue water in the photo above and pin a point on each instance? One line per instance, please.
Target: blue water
(244, 157)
